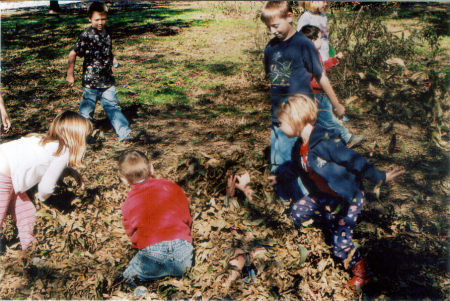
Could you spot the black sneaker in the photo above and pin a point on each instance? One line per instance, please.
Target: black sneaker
(95, 139)
(124, 283)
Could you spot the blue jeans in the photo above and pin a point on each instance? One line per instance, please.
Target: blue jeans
(167, 258)
(326, 118)
(110, 103)
(280, 152)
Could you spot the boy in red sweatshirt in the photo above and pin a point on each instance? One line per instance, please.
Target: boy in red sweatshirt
(157, 219)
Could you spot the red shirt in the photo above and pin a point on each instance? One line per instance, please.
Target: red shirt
(327, 65)
(156, 210)
(316, 178)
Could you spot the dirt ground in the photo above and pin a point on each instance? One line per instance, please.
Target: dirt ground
(222, 129)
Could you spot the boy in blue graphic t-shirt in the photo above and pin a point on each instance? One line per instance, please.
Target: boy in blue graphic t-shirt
(289, 59)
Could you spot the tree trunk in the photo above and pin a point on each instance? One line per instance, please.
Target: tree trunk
(54, 5)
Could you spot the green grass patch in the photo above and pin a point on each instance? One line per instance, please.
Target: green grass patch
(154, 94)
(213, 85)
(445, 44)
(134, 41)
(224, 110)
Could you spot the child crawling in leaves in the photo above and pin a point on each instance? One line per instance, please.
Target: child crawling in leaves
(333, 174)
(156, 217)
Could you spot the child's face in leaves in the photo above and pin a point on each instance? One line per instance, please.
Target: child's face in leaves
(319, 6)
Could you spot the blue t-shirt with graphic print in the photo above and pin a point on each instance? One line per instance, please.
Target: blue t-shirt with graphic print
(289, 65)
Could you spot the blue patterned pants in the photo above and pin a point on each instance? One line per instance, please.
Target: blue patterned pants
(337, 216)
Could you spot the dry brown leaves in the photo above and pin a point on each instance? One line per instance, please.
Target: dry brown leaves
(222, 223)
(82, 247)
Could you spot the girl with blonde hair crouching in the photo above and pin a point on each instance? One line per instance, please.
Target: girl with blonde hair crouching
(39, 159)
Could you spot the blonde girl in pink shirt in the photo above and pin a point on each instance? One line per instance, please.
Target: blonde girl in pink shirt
(39, 159)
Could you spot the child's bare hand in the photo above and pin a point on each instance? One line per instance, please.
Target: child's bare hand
(70, 80)
(272, 180)
(340, 55)
(81, 182)
(244, 180)
(340, 110)
(231, 186)
(6, 122)
(115, 63)
(391, 175)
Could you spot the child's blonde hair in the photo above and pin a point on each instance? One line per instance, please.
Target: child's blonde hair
(310, 6)
(70, 130)
(134, 166)
(298, 110)
(275, 9)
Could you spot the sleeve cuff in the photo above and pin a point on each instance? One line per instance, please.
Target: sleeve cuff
(42, 196)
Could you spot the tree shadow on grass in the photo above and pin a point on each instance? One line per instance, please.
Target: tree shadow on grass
(222, 68)
(38, 29)
(424, 199)
(32, 41)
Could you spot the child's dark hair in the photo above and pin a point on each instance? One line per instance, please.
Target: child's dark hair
(99, 7)
(134, 166)
(311, 32)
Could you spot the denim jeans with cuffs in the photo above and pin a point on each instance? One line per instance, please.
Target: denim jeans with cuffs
(167, 258)
(280, 152)
(326, 118)
(110, 103)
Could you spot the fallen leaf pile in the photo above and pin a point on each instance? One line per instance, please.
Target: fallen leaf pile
(82, 245)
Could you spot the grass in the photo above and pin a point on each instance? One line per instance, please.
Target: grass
(169, 80)
(137, 23)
